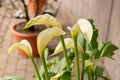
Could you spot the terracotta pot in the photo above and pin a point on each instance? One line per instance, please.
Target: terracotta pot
(32, 6)
(31, 37)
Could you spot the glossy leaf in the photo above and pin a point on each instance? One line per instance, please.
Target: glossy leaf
(94, 42)
(45, 36)
(99, 71)
(107, 49)
(43, 19)
(66, 76)
(69, 44)
(23, 45)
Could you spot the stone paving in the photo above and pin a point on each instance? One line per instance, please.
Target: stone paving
(13, 64)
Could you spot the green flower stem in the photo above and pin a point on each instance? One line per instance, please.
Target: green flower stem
(65, 52)
(83, 61)
(83, 65)
(36, 69)
(96, 63)
(98, 59)
(90, 76)
(77, 60)
(45, 67)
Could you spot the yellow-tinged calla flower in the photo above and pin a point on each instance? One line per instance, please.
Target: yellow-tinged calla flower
(56, 77)
(75, 31)
(88, 63)
(43, 19)
(69, 44)
(84, 27)
(23, 45)
(45, 36)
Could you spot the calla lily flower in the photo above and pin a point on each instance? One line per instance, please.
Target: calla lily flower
(69, 44)
(88, 63)
(84, 27)
(56, 77)
(43, 19)
(45, 36)
(23, 45)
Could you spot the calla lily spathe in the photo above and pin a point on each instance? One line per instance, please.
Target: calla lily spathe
(45, 36)
(83, 27)
(69, 44)
(43, 19)
(23, 45)
(56, 77)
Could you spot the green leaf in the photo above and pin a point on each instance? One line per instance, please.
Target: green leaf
(45, 36)
(43, 19)
(105, 78)
(23, 45)
(66, 76)
(107, 49)
(71, 57)
(93, 48)
(94, 42)
(69, 44)
(99, 71)
(58, 67)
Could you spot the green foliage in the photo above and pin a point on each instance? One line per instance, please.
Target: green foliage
(95, 51)
(65, 76)
(57, 65)
(99, 73)
(106, 49)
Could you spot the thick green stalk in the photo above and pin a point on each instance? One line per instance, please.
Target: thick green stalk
(89, 74)
(83, 65)
(36, 69)
(45, 67)
(65, 52)
(96, 63)
(83, 61)
(77, 60)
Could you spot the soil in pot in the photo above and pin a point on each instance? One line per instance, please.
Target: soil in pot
(31, 36)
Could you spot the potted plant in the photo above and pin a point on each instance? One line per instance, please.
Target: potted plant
(83, 45)
(22, 11)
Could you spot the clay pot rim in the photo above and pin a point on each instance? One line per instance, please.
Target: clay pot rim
(24, 34)
(20, 33)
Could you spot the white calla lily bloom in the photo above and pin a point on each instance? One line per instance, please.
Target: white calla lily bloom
(23, 45)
